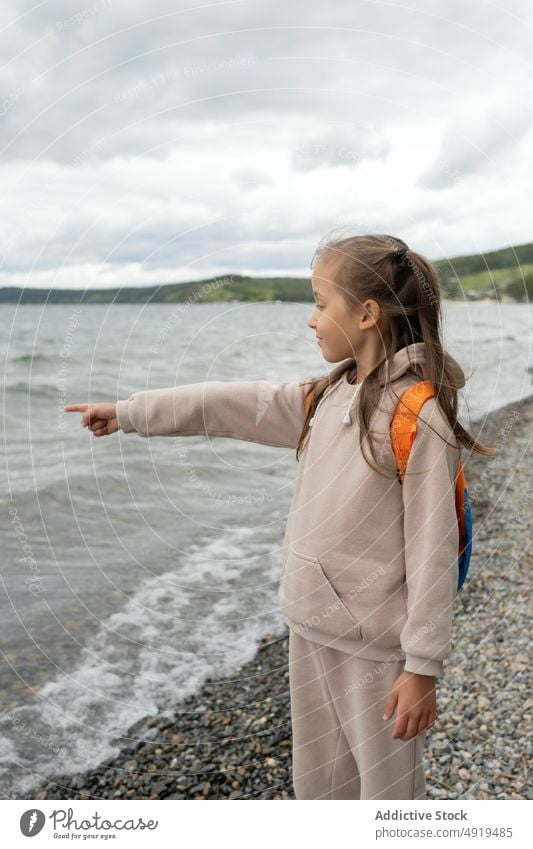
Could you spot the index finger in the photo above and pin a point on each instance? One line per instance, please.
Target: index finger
(76, 408)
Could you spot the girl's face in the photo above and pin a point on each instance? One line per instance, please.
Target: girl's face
(336, 327)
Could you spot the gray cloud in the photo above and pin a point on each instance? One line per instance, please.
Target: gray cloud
(98, 76)
(339, 148)
(482, 136)
(147, 136)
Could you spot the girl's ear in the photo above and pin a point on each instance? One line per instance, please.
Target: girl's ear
(371, 312)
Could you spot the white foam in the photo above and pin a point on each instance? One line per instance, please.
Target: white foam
(154, 652)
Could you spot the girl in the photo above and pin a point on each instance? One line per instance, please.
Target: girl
(369, 569)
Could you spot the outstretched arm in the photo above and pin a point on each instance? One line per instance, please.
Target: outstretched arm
(253, 410)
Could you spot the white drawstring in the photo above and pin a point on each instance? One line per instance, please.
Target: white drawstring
(347, 420)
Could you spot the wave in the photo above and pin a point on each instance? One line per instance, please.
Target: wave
(146, 658)
(22, 387)
(34, 358)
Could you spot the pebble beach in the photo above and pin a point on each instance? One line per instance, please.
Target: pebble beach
(232, 739)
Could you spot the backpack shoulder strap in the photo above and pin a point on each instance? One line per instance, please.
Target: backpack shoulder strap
(404, 421)
(463, 509)
(403, 432)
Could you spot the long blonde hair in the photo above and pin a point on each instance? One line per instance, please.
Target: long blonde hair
(408, 290)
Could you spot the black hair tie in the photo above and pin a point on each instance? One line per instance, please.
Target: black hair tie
(401, 253)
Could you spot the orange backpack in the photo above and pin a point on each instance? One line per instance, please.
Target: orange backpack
(403, 431)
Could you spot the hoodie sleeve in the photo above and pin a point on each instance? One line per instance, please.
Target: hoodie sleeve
(254, 411)
(431, 537)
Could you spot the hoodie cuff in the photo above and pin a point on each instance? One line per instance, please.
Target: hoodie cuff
(123, 419)
(423, 665)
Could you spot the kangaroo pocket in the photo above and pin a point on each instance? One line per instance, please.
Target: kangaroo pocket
(381, 610)
(308, 600)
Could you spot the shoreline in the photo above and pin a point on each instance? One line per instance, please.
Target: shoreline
(232, 739)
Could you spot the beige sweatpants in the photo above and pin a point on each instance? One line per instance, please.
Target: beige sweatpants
(342, 747)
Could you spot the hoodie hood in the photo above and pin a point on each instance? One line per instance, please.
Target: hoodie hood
(410, 358)
(414, 357)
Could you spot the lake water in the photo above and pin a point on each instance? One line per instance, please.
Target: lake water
(132, 568)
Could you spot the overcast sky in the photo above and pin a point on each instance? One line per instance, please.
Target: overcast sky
(149, 142)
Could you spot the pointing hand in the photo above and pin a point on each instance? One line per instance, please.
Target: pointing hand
(100, 418)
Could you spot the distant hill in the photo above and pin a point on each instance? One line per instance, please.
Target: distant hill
(506, 274)
(512, 257)
(226, 288)
(500, 275)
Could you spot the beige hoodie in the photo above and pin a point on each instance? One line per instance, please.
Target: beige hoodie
(369, 564)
